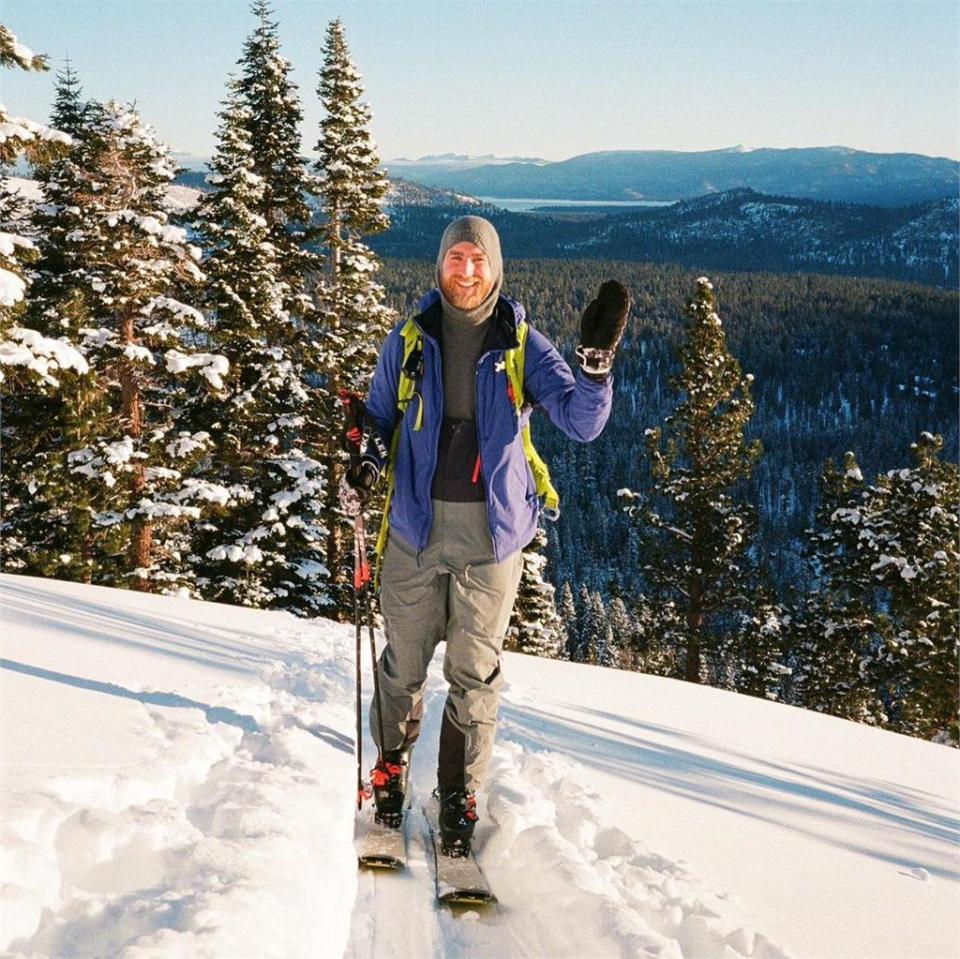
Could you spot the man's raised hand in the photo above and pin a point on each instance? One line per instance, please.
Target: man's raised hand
(601, 328)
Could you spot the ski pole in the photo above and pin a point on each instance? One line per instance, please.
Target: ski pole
(354, 416)
(360, 787)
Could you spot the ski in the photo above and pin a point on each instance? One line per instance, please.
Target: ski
(379, 846)
(458, 880)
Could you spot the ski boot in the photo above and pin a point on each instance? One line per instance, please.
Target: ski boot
(389, 781)
(458, 818)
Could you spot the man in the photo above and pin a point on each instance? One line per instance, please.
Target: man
(464, 504)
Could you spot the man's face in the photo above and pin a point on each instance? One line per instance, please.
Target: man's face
(465, 275)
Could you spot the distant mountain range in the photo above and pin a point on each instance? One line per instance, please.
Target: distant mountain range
(738, 229)
(460, 161)
(832, 173)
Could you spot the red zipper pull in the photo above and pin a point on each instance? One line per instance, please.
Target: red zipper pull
(476, 469)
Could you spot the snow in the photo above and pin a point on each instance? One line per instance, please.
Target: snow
(179, 780)
(212, 366)
(41, 354)
(28, 189)
(12, 288)
(25, 130)
(9, 241)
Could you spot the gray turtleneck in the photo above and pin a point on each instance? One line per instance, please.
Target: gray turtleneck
(461, 344)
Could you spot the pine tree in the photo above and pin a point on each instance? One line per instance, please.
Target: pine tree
(697, 540)
(889, 558)
(917, 569)
(70, 110)
(658, 636)
(48, 527)
(569, 631)
(126, 269)
(751, 653)
(264, 545)
(596, 637)
(623, 631)
(578, 654)
(27, 357)
(272, 121)
(351, 187)
(534, 623)
(836, 636)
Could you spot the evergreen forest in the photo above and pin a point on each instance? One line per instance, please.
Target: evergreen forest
(772, 507)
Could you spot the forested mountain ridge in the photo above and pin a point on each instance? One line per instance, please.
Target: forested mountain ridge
(839, 364)
(821, 173)
(737, 230)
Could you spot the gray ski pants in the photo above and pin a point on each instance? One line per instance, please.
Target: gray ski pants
(454, 591)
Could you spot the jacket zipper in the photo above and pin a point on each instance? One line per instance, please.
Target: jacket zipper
(479, 466)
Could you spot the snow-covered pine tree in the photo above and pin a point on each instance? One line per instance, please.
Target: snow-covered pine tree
(900, 560)
(48, 528)
(657, 639)
(264, 546)
(351, 187)
(696, 541)
(273, 122)
(569, 626)
(917, 569)
(534, 624)
(751, 652)
(584, 627)
(836, 638)
(596, 637)
(131, 270)
(27, 357)
(623, 630)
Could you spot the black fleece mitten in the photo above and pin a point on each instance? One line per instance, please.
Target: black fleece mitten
(605, 318)
(601, 328)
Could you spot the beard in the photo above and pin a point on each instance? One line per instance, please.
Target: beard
(466, 298)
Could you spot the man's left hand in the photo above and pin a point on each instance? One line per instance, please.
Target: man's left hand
(602, 326)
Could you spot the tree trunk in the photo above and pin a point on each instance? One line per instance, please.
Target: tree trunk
(141, 530)
(334, 242)
(695, 628)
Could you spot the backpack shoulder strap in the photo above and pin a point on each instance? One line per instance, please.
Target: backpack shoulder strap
(410, 368)
(515, 360)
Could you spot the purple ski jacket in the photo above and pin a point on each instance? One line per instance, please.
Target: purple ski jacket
(577, 405)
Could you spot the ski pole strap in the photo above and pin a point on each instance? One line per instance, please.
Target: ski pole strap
(361, 567)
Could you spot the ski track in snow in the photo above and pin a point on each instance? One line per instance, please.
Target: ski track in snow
(569, 883)
(218, 841)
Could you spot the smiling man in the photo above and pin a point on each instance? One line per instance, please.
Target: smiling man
(464, 500)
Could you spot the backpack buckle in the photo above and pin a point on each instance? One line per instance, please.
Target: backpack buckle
(413, 365)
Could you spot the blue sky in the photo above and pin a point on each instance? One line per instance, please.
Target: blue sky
(552, 79)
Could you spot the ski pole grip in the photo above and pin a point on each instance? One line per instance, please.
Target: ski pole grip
(352, 424)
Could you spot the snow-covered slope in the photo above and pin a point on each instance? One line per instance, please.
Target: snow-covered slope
(178, 780)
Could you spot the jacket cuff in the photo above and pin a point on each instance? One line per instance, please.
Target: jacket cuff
(601, 379)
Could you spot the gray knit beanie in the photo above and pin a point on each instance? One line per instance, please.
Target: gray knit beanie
(472, 229)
